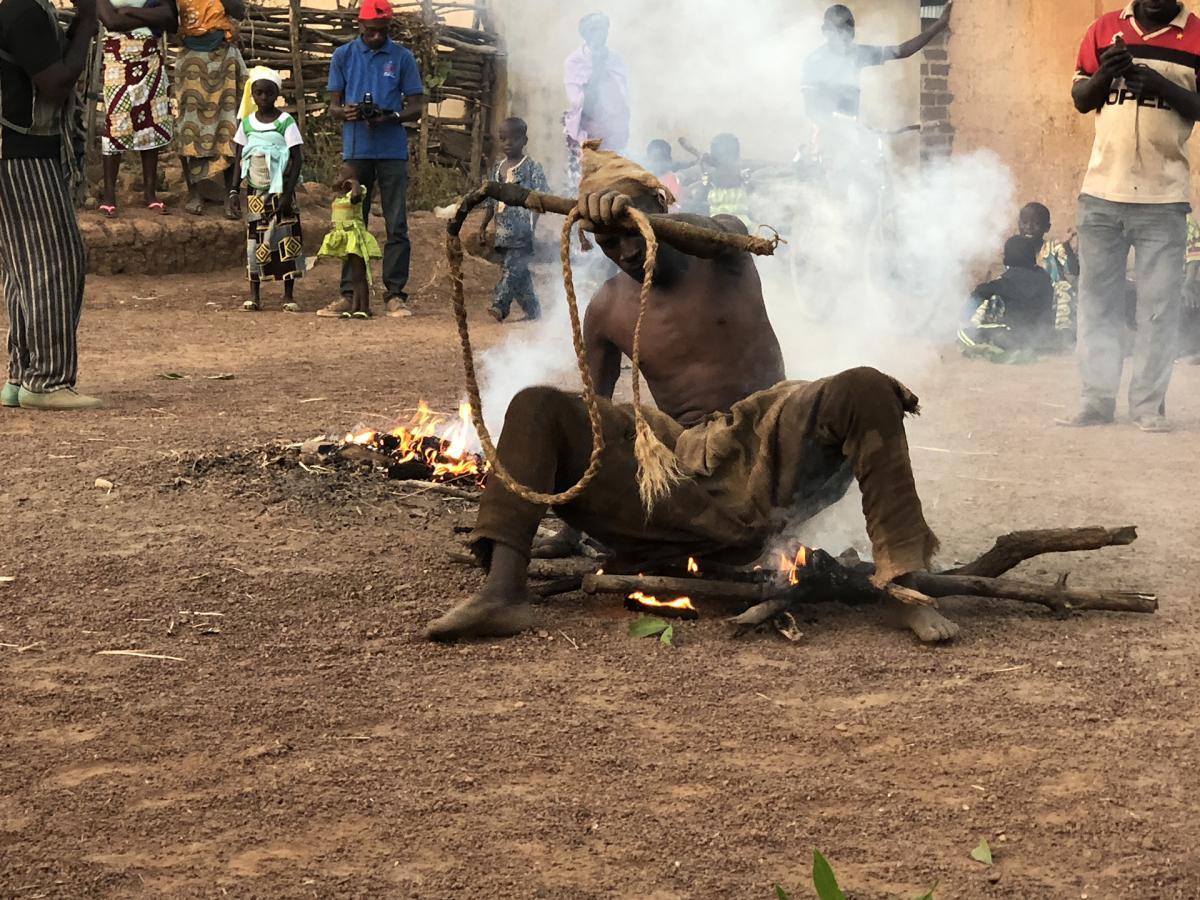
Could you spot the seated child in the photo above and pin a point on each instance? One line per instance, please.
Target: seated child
(1016, 310)
(1061, 263)
(515, 226)
(350, 241)
(270, 153)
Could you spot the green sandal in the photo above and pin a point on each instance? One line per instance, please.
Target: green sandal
(360, 315)
(291, 307)
(10, 395)
(251, 306)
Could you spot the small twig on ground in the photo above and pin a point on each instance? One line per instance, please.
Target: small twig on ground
(139, 654)
(26, 647)
(434, 487)
(570, 640)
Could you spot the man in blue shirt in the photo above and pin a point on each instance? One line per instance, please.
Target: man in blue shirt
(375, 140)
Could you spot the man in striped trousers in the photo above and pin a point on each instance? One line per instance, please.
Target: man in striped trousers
(41, 251)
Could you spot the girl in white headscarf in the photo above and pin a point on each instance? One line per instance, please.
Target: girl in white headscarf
(270, 154)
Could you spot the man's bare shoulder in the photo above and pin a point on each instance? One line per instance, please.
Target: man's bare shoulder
(602, 305)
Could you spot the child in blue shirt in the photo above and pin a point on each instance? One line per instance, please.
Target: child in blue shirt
(515, 226)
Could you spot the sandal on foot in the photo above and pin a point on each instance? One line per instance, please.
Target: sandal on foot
(360, 315)
(157, 206)
(251, 306)
(291, 307)
(109, 210)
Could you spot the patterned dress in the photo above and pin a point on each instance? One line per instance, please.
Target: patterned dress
(274, 240)
(1056, 260)
(137, 107)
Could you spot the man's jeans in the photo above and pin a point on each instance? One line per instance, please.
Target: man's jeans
(391, 177)
(1158, 234)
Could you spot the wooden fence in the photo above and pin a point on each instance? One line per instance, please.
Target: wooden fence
(458, 63)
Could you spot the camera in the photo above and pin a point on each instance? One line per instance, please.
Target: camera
(368, 110)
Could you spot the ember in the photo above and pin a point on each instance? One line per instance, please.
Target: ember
(429, 445)
(680, 607)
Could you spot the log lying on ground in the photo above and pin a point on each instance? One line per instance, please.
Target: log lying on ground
(1056, 597)
(1010, 550)
(694, 240)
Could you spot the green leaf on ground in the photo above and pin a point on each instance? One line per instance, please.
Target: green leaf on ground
(648, 626)
(824, 880)
(668, 635)
(982, 853)
(172, 376)
(928, 895)
(781, 894)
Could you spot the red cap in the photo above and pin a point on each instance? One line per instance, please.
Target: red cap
(375, 9)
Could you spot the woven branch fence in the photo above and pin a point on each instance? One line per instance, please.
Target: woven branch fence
(458, 64)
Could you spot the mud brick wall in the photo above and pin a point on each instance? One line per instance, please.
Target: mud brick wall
(159, 245)
(937, 131)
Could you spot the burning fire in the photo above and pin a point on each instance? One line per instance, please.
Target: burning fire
(429, 437)
(793, 566)
(693, 567)
(679, 603)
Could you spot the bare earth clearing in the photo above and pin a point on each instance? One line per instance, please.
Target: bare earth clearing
(314, 747)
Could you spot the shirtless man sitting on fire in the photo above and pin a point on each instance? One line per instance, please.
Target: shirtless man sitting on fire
(757, 450)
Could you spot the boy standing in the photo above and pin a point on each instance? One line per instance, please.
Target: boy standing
(514, 226)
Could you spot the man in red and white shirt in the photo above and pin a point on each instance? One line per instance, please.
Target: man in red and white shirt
(1137, 71)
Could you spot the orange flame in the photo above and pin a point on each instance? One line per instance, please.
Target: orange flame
(443, 446)
(793, 566)
(677, 603)
(693, 567)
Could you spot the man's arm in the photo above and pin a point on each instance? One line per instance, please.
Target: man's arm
(414, 106)
(913, 46)
(1148, 84)
(604, 359)
(57, 80)
(1095, 76)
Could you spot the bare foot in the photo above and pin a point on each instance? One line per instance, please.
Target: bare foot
(482, 616)
(195, 203)
(925, 622)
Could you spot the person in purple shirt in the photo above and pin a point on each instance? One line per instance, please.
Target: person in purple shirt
(375, 89)
(597, 84)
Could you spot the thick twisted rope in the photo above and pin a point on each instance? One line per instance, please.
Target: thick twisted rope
(658, 470)
(455, 253)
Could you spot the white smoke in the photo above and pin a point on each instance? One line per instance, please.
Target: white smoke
(712, 66)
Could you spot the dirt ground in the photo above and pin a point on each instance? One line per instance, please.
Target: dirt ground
(308, 744)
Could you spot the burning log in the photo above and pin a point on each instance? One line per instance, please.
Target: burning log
(679, 608)
(663, 586)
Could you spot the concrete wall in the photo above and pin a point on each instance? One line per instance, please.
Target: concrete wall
(1011, 64)
(702, 67)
